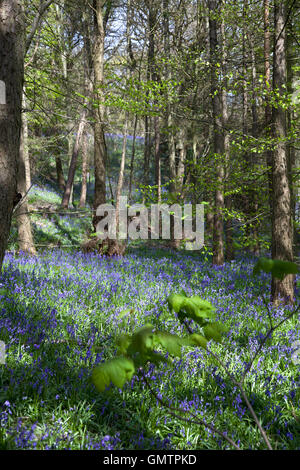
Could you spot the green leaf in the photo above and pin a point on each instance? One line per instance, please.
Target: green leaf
(155, 358)
(123, 343)
(196, 340)
(263, 264)
(278, 268)
(142, 341)
(212, 331)
(197, 309)
(206, 307)
(283, 268)
(175, 302)
(118, 371)
(170, 342)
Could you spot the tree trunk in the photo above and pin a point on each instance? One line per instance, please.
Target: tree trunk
(169, 118)
(132, 157)
(71, 145)
(268, 109)
(229, 247)
(25, 146)
(72, 168)
(25, 238)
(12, 30)
(64, 64)
(245, 93)
(247, 205)
(290, 57)
(282, 247)
(254, 193)
(85, 166)
(147, 150)
(157, 158)
(121, 236)
(99, 137)
(60, 174)
(152, 23)
(121, 173)
(218, 244)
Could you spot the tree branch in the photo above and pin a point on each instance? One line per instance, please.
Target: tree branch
(44, 5)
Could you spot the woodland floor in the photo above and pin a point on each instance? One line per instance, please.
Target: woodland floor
(61, 312)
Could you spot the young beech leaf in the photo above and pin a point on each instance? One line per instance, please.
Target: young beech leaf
(219, 327)
(196, 309)
(142, 341)
(155, 358)
(175, 302)
(203, 306)
(211, 332)
(196, 340)
(263, 264)
(118, 371)
(281, 268)
(123, 343)
(278, 268)
(171, 343)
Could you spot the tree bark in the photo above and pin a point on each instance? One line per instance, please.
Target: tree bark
(85, 165)
(218, 244)
(245, 92)
(290, 57)
(60, 174)
(254, 193)
(157, 158)
(121, 172)
(12, 29)
(282, 237)
(132, 157)
(152, 21)
(100, 150)
(64, 64)
(72, 168)
(229, 247)
(268, 109)
(25, 146)
(25, 238)
(147, 150)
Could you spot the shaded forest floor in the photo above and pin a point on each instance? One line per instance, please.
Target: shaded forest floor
(53, 227)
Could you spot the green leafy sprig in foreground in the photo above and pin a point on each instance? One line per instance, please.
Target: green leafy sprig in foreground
(143, 346)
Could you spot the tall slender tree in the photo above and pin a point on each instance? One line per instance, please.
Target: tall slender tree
(268, 109)
(85, 169)
(282, 232)
(100, 150)
(218, 137)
